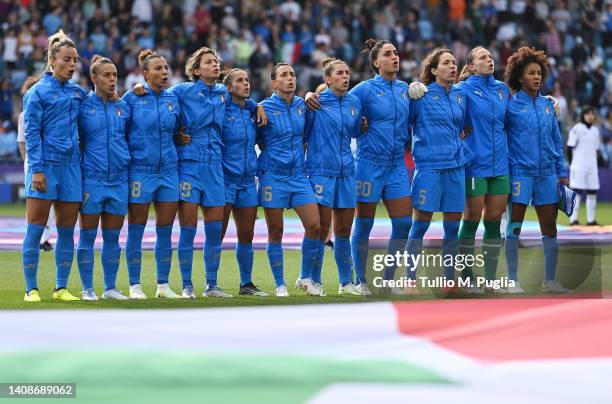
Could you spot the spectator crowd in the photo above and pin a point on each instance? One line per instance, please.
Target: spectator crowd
(254, 35)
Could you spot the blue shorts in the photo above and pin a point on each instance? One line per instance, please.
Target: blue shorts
(334, 192)
(284, 193)
(202, 183)
(63, 183)
(241, 196)
(146, 188)
(538, 190)
(101, 198)
(439, 190)
(375, 182)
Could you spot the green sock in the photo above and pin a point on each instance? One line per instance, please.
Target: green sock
(491, 245)
(467, 235)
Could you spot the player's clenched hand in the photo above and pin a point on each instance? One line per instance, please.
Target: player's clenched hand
(364, 124)
(416, 90)
(139, 89)
(312, 101)
(262, 117)
(39, 182)
(183, 138)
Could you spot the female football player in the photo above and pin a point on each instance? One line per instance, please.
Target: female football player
(239, 169)
(536, 162)
(331, 169)
(282, 177)
(51, 108)
(153, 171)
(104, 165)
(439, 153)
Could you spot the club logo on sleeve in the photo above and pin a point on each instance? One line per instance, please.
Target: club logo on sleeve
(478, 93)
(119, 112)
(547, 110)
(459, 99)
(222, 98)
(300, 110)
(436, 97)
(353, 112)
(170, 106)
(501, 94)
(77, 94)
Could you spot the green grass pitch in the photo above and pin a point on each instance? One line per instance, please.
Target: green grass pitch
(11, 287)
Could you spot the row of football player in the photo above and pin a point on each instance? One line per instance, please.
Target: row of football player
(194, 145)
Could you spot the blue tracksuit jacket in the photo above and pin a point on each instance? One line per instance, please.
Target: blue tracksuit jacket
(328, 134)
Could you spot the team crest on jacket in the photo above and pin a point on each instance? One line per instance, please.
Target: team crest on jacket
(352, 111)
(300, 110)
(77, 94)
(501, 94)
(459, 99)
(119, 113)
(170, 107)
(222, 98)
(547, 110)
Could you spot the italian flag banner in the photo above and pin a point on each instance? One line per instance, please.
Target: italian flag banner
(461, 351)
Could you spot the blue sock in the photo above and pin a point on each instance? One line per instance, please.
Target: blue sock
(450, 245)
(212, 251)
(85, 256)
(317, 267)
(359, 246)
(551, 253)
(185, 253)
(415, 244)
(342, 248)
(275, 257)
(64, 254)
(111, 253)
(511, 247)
(30, 251)
(400, 227)
(163, 252)
(244, 256)
(133, 252)
(310, 249)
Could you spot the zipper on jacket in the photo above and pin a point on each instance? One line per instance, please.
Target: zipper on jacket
(292, 136)
(341, 136)
(160, 132)
(535, 109)
(492, 98)
(69, 119)
(246, 141)
(450, 104)
(212, 122)
(394, 121)
(107, 144)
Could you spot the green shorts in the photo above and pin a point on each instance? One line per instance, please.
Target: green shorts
(478, 186)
